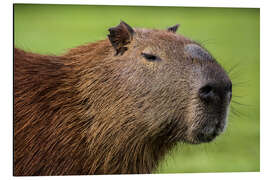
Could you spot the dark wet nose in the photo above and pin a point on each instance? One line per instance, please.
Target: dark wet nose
(216, 92)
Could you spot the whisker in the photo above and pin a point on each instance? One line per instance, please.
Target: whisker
(240, 83)
(237, 113)
(233, 68)
(236, 96)
(241, 104)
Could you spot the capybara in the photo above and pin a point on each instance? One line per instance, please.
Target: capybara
(115, 106)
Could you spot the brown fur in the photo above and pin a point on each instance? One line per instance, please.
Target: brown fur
(94, 111)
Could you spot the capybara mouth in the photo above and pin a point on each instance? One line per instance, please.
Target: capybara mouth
(209, 132)
(206, 128)
(204, 137)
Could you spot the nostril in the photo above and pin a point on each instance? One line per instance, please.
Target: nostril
(206, 93)
(216, 92)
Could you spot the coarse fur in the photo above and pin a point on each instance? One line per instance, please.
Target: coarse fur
(104, 108)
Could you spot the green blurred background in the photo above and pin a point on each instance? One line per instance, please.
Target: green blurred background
(232, 35)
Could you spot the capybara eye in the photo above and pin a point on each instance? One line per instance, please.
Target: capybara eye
(150, 57)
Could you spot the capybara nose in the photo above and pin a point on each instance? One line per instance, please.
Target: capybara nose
(216, 92)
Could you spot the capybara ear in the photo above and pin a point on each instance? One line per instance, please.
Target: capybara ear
(173, 28)
(120, 36)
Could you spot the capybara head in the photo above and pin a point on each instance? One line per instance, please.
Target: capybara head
(168, 83)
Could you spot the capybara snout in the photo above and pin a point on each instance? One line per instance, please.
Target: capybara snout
(117, 105)
(215, 96)
(214, 91)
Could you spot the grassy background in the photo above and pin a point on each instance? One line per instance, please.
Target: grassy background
(230, 34)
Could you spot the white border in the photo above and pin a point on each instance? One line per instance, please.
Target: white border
(6, 84)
